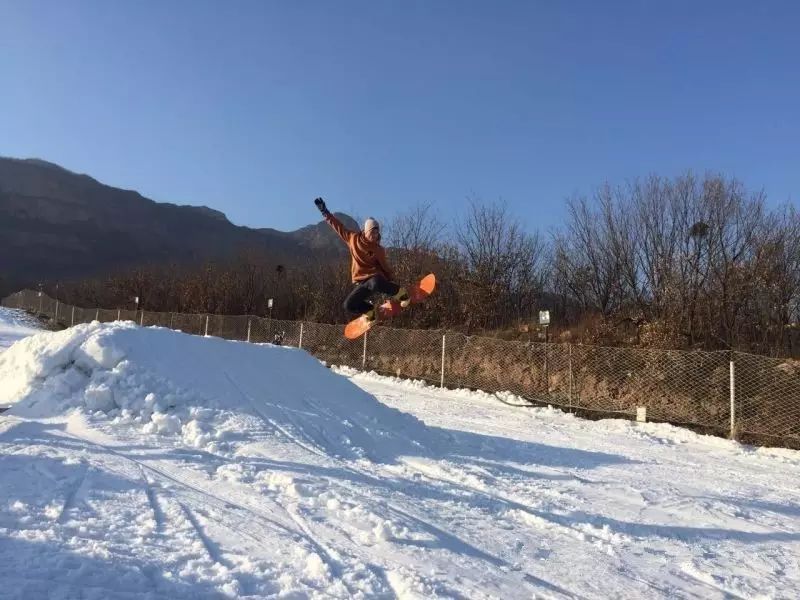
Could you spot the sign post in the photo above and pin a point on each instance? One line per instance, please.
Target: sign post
(544, 321)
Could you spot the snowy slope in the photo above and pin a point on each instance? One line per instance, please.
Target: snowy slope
(145, 463)
(15, 325)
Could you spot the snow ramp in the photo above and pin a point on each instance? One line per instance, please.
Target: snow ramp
(211, 393)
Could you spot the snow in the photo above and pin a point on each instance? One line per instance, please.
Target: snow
(146, 463)
(15, 325)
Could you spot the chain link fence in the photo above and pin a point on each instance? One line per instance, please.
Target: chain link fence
(752, 398)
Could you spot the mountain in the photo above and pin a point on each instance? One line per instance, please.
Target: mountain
(56, 224)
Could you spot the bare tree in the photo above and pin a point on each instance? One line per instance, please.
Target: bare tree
(504, 267)
(417, 230)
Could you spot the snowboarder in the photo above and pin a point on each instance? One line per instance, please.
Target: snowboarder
(369, 268)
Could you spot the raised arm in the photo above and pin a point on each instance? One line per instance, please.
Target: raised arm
(342, 231)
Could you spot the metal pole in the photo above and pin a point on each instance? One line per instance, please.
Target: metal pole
(141, 319)
(97, 315)
(72, 320)
(248, 329)
(206, 326)
(570, 375)
(171, 317)
(364, 354)
(119, 314)
(300, 343)
(55, 318)
(444, 345)
(733, 398)
(546, 365)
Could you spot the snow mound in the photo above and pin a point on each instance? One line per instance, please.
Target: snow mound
(205, 392)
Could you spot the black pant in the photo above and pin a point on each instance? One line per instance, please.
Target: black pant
(357, 303)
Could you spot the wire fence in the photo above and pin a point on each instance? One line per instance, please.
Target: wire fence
(752, 398)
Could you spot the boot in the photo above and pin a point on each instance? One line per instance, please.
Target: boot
(402, 297)
(371, 314)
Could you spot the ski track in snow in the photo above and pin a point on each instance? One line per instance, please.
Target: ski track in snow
(213, 550)
(304, 444)
(158, 514)
(488, 501)
(220, 505)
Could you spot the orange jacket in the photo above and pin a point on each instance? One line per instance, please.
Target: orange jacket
(367, 258)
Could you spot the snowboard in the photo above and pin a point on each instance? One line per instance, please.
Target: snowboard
(417, 292)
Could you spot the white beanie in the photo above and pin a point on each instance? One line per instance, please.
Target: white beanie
(370, 224)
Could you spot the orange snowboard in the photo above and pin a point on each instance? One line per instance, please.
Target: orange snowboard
(418, 293)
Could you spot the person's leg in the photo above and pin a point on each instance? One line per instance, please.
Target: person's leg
(356, 301)
(379, 283)
(390, 288)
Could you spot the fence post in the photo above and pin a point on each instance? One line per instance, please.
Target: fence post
(72, 319)
(119, 314)
(249, 322)
(364, 354)
(141, 319)
(300, 343)
(206, 334)
(55, 318)
(569, 362)
(97, 315)
(444, 345)
(546, 365)
(733, 397)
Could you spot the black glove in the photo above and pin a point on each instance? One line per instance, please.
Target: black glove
(321, 206)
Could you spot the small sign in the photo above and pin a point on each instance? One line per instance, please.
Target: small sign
(641, 414)
(269, 303)
(544, 317)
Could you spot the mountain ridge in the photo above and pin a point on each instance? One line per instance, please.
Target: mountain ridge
(58, 224)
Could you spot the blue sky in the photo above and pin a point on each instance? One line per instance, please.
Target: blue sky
(255, 108)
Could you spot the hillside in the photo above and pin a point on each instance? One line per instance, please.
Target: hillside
(55, 224)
